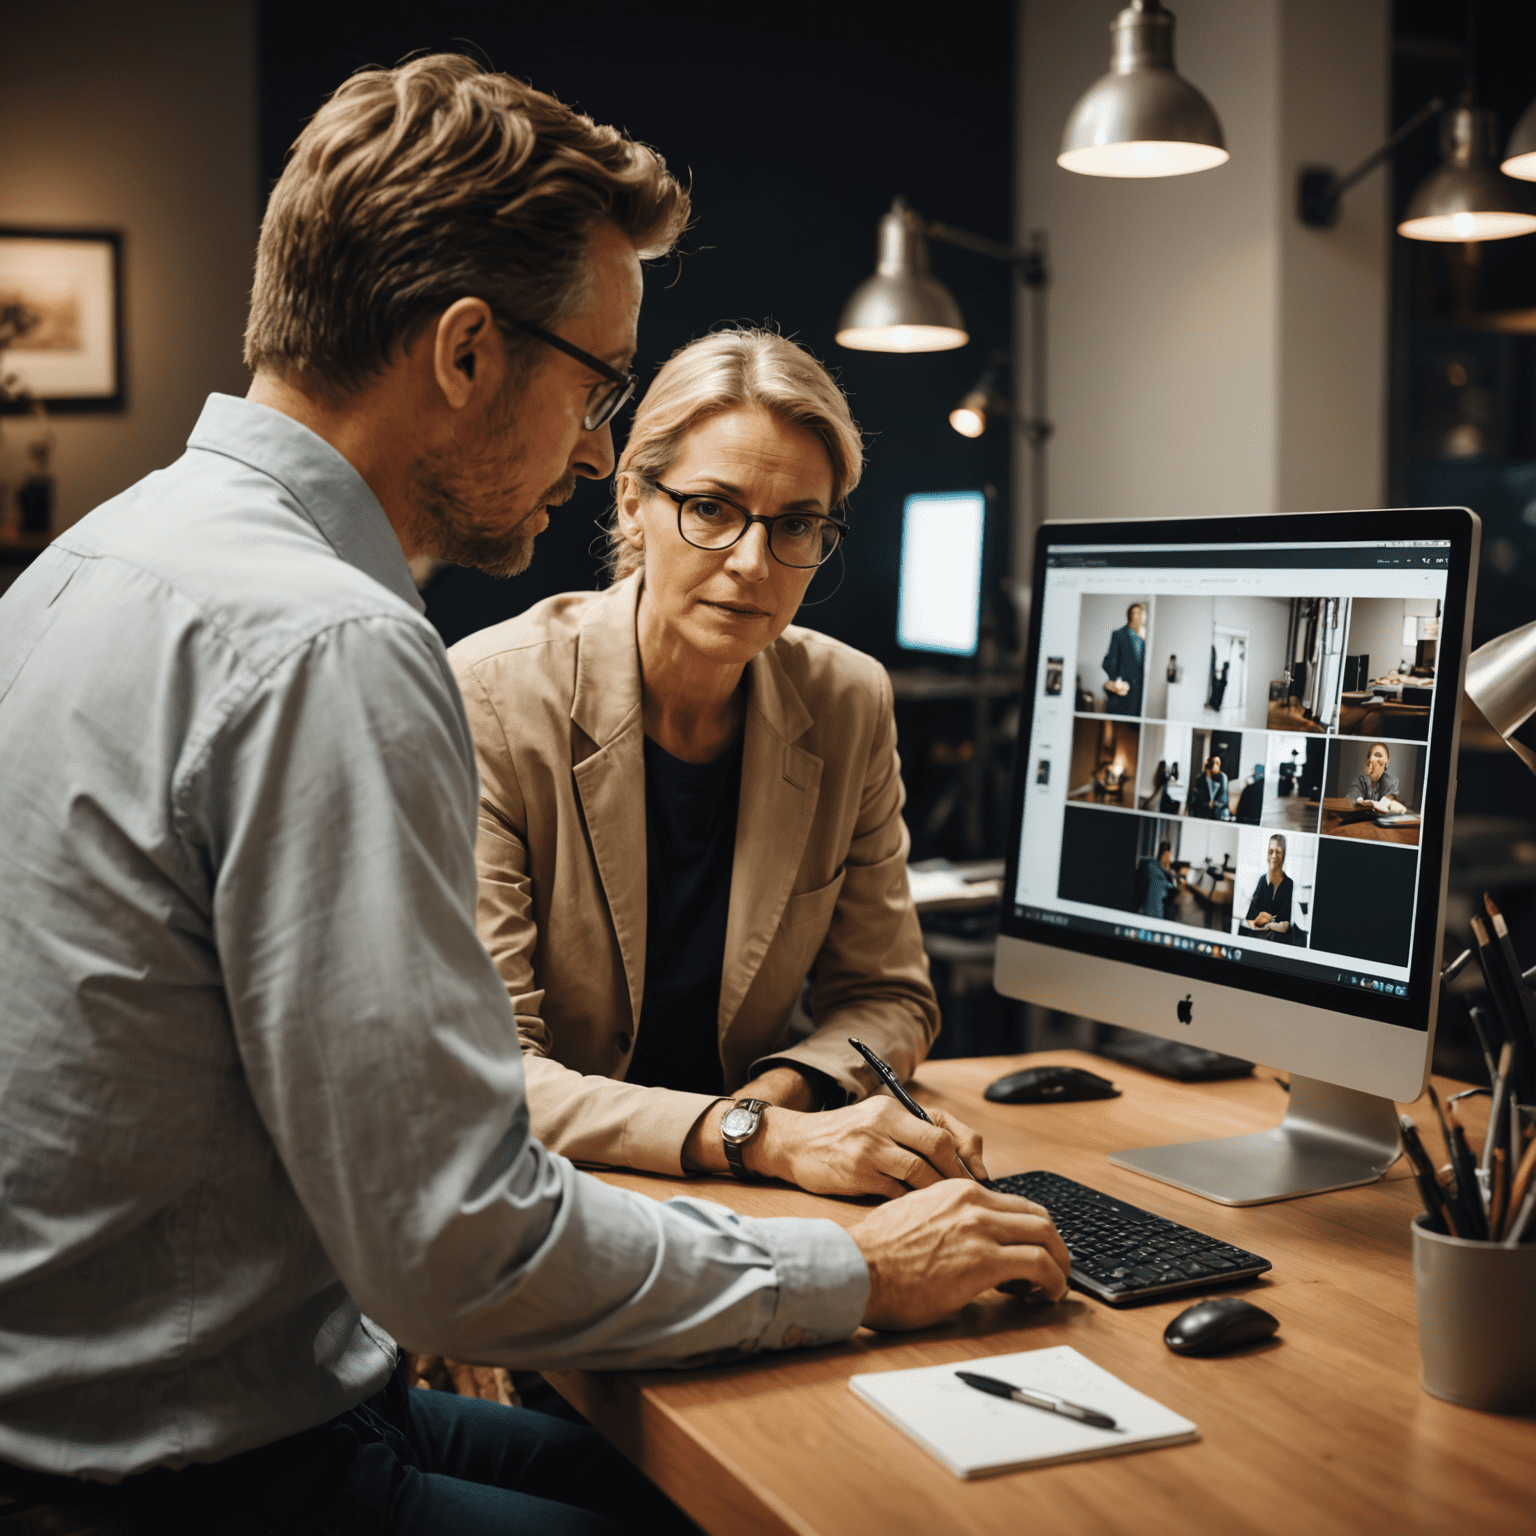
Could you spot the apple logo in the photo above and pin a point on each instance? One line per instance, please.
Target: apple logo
(1186, 1009)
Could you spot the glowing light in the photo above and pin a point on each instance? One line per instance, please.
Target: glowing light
(902, 338)
(1468, 226)
(1142, 158)
(966, 422)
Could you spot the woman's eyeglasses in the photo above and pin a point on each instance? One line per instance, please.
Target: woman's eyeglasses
(800, 539)
(605, 400)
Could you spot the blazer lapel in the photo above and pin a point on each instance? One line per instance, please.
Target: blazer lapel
(780, 783)
(609, 768)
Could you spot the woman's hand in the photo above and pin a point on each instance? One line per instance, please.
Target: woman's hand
(874, 1147)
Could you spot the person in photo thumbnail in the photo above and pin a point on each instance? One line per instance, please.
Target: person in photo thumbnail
(1376, 788)
(1208, 794)
(1125, 663)
(1163, 882)
(1269, 912)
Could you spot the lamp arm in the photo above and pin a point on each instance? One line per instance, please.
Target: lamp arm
(1319, 190)
(1029, 260)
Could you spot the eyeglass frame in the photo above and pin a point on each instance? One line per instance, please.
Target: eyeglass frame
(843, 530)
(626, 377)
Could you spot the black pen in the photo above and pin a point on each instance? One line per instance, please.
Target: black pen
(891, 1081)
(1033, 1399)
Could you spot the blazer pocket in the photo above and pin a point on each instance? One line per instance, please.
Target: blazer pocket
(807, 918)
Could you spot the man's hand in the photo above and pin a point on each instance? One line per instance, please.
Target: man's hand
(938, 1248)
(1119, 686)
(874, 1147)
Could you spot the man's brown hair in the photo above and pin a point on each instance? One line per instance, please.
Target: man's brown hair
(416, 186)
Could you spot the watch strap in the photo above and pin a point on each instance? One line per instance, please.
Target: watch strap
(734, 1149)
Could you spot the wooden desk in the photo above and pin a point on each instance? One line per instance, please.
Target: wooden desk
(1326, 1431)
(1337, 807)
(1365, 715)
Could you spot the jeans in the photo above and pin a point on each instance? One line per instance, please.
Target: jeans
(404, 1461)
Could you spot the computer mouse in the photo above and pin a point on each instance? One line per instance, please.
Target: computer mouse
(1217, 1324)
(1050, 1085)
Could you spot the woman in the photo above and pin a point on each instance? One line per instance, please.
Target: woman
(1162, 884)
(1270, 910)
(687, 806)
(1376, 788)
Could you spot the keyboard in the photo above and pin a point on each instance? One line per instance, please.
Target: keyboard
(1122, 1253)
(1173, 1058)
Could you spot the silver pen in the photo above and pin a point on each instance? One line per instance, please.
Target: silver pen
(1035, 1399)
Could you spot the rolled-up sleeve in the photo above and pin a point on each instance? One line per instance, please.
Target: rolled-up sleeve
(379, 1045)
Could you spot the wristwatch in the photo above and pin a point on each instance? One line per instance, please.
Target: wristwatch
(742, 1122)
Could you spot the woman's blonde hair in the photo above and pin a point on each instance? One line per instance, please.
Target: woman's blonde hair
(727, 368)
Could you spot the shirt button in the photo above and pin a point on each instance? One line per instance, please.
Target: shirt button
(623, 1042)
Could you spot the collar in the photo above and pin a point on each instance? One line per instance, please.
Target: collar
(329, 491)
(607, 693)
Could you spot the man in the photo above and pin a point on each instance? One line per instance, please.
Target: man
(258, 1078)
(1125, 663)
(1208, 794)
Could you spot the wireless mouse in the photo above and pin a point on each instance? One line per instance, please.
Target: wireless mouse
(1217, 1324)
(1050, 1085)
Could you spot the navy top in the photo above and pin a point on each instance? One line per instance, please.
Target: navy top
(1276, 902)
(1125, 659)
(690, 847)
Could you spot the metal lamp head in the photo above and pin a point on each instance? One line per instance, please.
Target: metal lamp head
(902, 308)
(1466, 198)
(1520, 155)
(1142, 119)
(1501, 681)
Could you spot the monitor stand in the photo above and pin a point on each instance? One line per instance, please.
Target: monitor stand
(1330, 1138)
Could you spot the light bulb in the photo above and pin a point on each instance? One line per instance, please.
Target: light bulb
(968, 422)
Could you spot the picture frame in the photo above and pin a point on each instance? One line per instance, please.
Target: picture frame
(72, 279)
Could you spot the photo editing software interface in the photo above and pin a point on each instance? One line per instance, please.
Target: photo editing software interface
(1229, 751)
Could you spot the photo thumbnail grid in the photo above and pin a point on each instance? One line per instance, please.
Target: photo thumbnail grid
(1270, 757)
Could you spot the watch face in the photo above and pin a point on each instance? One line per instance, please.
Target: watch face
(739, 1122)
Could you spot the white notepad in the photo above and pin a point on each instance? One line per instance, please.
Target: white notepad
(975, 1434)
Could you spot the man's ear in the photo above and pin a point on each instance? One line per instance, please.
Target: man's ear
(627, 504)
(467, 355)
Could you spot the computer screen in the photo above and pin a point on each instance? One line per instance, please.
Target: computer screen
(1231, 801)
(942, 539)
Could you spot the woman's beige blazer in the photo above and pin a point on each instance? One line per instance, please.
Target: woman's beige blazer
(819, 885)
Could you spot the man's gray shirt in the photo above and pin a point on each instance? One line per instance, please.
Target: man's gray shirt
(256, 1070)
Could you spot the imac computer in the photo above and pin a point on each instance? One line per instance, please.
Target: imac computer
(1216, 838)
(943, 537)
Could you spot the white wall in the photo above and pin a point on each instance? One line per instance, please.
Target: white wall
(1209, 354)
(140, 118)
(1376, 630)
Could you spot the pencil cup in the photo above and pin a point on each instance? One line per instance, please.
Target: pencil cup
(1477, 1327)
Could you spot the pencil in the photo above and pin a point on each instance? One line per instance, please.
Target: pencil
(1520, 1184)
(1496, 1197)
(1518, 988)
(1503, 989)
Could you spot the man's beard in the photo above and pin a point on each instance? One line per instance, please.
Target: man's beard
(457, 521)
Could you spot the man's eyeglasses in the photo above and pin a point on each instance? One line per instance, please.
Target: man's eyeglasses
(800, 539)
(605, 400)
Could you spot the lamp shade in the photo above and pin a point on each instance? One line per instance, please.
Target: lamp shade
(902, 308)
(1501, 681)
(1466, 198)
(1520, 155)
(1142, 118)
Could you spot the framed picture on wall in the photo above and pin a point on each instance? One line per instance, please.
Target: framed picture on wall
(61, 291)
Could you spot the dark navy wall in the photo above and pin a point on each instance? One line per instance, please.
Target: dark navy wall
(798, 124)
